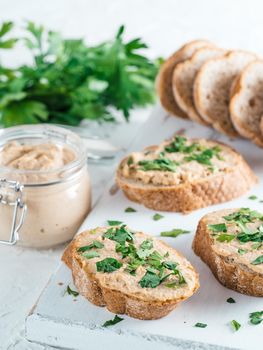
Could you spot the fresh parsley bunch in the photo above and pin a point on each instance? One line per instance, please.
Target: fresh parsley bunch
(69, 81)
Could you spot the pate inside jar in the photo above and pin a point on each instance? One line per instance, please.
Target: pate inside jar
(44, 169)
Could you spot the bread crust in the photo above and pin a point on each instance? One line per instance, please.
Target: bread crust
(118, 302)
(164, 78)
(230, 274)
(238, 85)
(192, 195)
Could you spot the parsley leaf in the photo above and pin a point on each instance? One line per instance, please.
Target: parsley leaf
(200, 325)
(256, 317)
(116, 320)
(253, 197)
(218, 227)
(157, 217)
(150, 280)
(224, 237)
(174, 232)
(108, 265)
(72, 292)
(91, 254)
(162, 164)
(94, 244)
(230, 301)
(235, 325)
(258, 260)
(114, 222)
(130, 210)
(119, 234)
(242, 251)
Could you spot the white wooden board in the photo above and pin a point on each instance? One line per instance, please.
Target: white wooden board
(59, 319)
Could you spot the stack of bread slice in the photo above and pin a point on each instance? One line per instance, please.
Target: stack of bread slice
(215, 87)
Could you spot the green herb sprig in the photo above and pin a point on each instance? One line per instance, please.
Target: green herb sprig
(69, 81)
(116, 320)
(174, 233)
(72, 292)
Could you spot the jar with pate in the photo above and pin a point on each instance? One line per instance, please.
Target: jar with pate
(45, 191)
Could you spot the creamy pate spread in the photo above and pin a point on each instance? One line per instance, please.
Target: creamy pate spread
(135, 263)
(178, 161)
(45, 156)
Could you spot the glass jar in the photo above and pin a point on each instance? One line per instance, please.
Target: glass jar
(43, 208)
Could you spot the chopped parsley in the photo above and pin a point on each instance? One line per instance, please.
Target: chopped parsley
(195, 151)
(231, 301)
(161, 164)
(179, 145)
(256, 317)
(253, 197)
(224, 237)
(150, 280)
(130, 160)
(256, 245)
(114, 222)
(247, 236)
(242, 251)
(218, 227)
(94, 244)
(258, 260)
(108, 265)
(244, 215)
(174, 232)
(157, 217)
(72, 292)
(130, 210)
(200, 325)
(91, 254)
(119, 234)
(116, 320)
(235, 325)
(144, 255)
(241, 218)
(205, 156)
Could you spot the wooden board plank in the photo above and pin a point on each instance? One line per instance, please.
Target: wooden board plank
(61, 320)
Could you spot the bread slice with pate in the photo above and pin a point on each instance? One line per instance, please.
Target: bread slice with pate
(230, 242)
(184, 174)
(129, 272)
(212, 89)
(246, 105)
(164, 78)
(183, 80)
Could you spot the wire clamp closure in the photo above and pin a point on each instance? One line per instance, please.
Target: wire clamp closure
(11, 194)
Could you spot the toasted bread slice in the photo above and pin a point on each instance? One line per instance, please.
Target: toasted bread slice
(246, 106)
(164, 79)
(129, 272)
(183, 80)
(212, 88)
(235, 257)
(184, 175)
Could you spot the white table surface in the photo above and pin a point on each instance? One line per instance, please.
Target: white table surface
(164, 25)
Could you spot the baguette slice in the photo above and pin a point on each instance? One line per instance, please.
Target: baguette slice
(119, 290)
(232, 262)
(164, 79)
(212, 88)
(184, 174)
(183, 80)
(246, 106)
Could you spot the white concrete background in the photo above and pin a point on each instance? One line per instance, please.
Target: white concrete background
(164, 25)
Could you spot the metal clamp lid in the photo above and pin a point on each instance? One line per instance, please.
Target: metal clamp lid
(18, 205)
